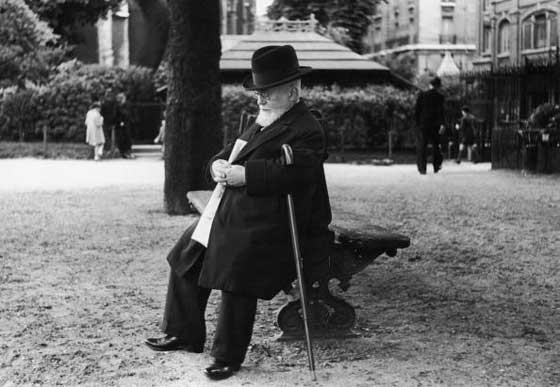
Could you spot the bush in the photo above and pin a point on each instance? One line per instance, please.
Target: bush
(9, 150)
(353, 118)
(62, 104)
(546, 115)
(26, 51)
(18, 113)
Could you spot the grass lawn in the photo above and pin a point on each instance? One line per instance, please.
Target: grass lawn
(475, 301)
(54, 150)
(80, 151)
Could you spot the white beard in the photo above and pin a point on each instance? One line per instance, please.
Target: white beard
(267, 117)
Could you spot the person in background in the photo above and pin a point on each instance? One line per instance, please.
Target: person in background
(429, 114)
(466, 135)
(122, 127)
(160, 139)
(94, 130)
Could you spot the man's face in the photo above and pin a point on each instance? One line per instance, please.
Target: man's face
(276, 99)
(121, 98)
(274, 102)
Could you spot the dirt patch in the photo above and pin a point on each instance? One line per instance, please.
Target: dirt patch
(473, 302)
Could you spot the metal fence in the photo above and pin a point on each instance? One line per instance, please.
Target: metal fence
(504, 99)
(530, 149)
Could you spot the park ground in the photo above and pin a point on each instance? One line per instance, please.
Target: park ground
(474, 301)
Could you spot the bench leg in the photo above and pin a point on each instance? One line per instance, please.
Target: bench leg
(330, 316)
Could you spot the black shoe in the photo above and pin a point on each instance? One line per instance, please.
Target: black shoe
(172, 343)
(220, 370)
(437, 168)
(422, 172)
(458, 161)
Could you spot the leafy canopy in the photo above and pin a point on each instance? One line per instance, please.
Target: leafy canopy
(346, 21)
(63, 15)
(24, 47)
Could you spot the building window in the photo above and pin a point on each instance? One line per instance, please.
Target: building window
(503, 37)
(447, 30)
(485, 5)
(527, 31)
(540, 31)
(553, 24)
(486, 38)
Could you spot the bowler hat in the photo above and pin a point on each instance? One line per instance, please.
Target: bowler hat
(272, 66)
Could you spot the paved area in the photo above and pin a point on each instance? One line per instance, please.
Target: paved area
(474, 301)
(35, 174)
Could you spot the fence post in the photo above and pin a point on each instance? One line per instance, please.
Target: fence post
(390, 153)
(113, 141)
(45, 139)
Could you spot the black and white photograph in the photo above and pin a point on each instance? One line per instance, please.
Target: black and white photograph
(279, 193)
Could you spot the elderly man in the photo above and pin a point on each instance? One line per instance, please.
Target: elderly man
(246, 252)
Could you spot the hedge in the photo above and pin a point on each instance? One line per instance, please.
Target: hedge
(62, 104)
(354, 118)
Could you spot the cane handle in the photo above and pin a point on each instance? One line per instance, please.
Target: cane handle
(288, 154)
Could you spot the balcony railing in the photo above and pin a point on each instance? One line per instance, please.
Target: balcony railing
(397, 42)
(448, 39)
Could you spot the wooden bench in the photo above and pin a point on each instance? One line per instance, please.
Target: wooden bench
(351, 252)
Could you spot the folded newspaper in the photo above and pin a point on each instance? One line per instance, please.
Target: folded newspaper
(202, 231)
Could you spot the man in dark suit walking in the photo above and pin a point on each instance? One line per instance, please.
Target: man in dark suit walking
(244, 248)
(429, 114)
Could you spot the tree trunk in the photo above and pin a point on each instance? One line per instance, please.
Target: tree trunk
(194, 121)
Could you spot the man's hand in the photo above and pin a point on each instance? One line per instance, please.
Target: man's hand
(226, 174)
(235, 176)
(219, 170)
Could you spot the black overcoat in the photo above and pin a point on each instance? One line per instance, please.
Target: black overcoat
(429, 111)
(249, 249)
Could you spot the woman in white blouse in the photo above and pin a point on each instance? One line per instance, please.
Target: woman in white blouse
(94, 131)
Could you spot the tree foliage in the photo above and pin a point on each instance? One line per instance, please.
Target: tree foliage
(25, 52)
(403, 64)
(63, 15)
(346, 21)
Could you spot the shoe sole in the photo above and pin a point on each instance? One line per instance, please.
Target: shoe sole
(188, 348)
(212, 376)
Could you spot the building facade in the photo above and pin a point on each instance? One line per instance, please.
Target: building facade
(134, 33)
(428, 30)
(238, 17)
(515, 32)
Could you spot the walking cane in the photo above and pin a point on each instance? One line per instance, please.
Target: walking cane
(288, 154)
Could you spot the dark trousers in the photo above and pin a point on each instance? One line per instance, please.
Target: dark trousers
(124, 142)
(423, 137)
(184, 317)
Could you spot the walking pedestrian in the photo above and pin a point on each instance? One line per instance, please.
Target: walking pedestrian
(160, 138)
(466, 135)
(429, 114)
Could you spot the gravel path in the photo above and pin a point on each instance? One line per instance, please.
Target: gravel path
(22, 175)
(475, 300)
